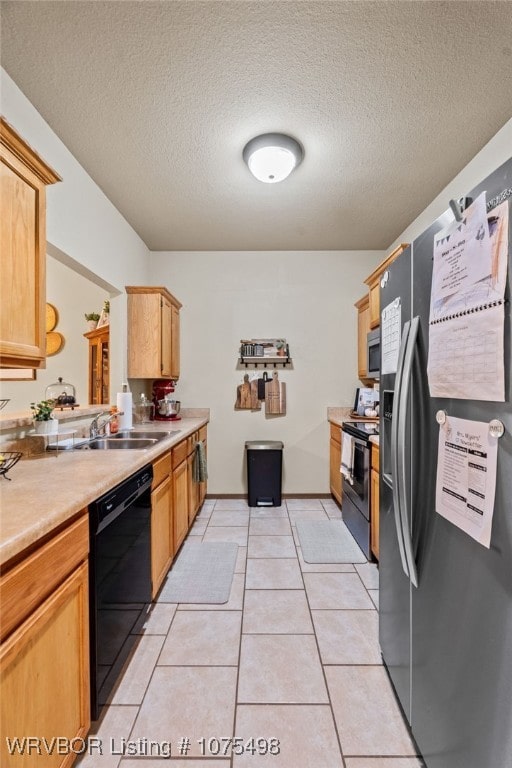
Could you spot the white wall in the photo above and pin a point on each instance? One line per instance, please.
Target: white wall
(83, 228)
(72, 295)
(307, 298)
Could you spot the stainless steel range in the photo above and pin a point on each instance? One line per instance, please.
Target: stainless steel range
(356, 488)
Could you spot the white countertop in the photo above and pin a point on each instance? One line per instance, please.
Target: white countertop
(46, 490)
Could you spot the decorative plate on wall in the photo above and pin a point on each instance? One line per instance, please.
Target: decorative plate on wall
(52, 317)
(54, 342)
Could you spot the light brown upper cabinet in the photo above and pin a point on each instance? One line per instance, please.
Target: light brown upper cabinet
(153, 333)
(23, 180)
(373, 283)
(363, 327)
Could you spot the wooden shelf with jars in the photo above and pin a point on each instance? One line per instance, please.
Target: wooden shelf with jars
(99, 365)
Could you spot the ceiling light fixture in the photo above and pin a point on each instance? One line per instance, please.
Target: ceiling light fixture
(272, 156)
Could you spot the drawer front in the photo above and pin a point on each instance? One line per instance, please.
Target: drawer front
(203, 433)
(27, 584)
(179, 453)
(336, 433)
(191, 443)
(161, 469)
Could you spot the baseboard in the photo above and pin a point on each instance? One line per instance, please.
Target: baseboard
(284, 496)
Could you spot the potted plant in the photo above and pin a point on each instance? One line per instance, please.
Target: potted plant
(42, 414)
(92, 320)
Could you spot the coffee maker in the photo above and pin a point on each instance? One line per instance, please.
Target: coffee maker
(166, 408)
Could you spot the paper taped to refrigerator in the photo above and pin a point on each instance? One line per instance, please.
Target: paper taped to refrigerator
(466, 306)
(390, 329)
(466, 476)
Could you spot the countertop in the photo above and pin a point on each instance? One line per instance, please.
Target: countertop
(49, 489)
(339, 415)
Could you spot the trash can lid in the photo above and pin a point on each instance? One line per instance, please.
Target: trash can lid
(264, 445)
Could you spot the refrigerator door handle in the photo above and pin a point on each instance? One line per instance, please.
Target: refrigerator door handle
(395, 425)
(402, 408)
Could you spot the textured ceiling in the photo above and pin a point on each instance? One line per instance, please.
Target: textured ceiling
(157, 100)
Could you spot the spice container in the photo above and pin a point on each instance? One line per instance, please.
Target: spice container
(114, 421)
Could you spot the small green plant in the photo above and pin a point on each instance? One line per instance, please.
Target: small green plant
(106, 306)
(92, 316)
(43, 410)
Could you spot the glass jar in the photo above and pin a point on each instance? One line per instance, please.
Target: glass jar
(61, 392)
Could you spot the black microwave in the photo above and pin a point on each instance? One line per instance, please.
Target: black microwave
(373, 354)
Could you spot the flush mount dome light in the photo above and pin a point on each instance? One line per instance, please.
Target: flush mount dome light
(272, 156)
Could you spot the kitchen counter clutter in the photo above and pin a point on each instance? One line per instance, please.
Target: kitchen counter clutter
(49, 490)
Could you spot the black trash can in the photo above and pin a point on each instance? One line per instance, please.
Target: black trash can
(264, 472)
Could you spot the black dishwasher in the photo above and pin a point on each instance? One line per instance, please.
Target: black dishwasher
(119, 578)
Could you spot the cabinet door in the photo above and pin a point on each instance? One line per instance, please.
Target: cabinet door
(162, 534)
(375, 305)
(363, 327)
(144, 336)
(22, 323)
(180, 503)
(335, 474)
(374, 514)
(99, 365)
(153, 333)
(166, 351)
(44, 669)
(23, 177)
(175, 343)
(202, 486)
(192, 490)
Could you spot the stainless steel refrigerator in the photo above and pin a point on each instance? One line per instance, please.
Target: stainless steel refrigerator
(445, 600)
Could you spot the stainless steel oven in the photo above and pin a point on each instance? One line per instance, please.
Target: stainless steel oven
(356, 489)
(119, 578)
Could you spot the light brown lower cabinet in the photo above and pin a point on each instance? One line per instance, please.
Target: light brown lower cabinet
(335, 462)
(44, 661)
(175, 500)
(193, 489)
(180, 493)
(162, 528)
(196, 491)
(374, 502)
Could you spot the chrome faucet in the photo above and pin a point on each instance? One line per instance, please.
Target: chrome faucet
(96, 428)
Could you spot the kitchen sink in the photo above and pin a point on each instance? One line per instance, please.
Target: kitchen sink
(142, 434)
(116, 443)
(128, 439)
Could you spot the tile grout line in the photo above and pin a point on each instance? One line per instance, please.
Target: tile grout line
(235, 708)
(320, 660)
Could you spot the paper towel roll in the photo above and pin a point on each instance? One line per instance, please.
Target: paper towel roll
(124, 405)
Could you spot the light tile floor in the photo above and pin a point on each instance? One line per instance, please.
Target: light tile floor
(293, 655)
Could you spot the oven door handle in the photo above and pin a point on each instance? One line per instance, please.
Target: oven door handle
(398, 416)
(403, 409)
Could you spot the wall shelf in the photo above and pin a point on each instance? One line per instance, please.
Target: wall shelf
(265, 362)
(252, 353)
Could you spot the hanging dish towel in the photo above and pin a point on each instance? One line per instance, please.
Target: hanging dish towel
(199, 471)
(347, 458)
